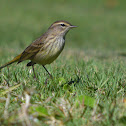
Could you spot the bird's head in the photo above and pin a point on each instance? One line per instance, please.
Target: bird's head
(61, 27)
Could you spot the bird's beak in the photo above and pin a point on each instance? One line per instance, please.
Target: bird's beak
(73, 26)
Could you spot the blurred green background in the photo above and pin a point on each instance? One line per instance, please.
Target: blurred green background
(101, 23)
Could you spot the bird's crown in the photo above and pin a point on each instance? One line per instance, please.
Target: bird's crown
(62, 23)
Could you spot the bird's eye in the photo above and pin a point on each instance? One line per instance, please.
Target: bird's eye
(63, 25)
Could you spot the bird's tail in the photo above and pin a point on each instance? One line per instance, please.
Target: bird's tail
(12, 61)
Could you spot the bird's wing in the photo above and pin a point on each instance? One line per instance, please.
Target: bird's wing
(32, 49)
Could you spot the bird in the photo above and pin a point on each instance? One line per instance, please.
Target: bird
(45, 49)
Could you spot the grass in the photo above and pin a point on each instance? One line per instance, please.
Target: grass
(89, 82)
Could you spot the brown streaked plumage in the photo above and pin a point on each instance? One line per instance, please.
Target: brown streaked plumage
(46, 48)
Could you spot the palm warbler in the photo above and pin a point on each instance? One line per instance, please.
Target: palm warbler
(46, 48)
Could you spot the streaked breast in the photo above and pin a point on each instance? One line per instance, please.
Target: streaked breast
(50, 51)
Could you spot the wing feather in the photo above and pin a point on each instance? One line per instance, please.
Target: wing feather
(33, 49)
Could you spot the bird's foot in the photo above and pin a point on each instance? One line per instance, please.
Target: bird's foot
(51, 77)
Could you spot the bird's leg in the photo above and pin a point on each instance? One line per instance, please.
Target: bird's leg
(33, 71)
(47, 72)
